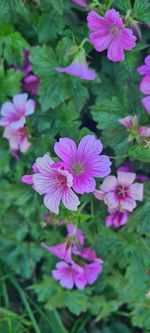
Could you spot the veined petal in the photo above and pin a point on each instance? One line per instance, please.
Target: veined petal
(145, 85)
(126, 178)
(136, 191)
(66, 149)
(52, 201)
(146, 103)
(83, 184)
(44, 163)
(70, 199)
(109, 184)
(20, 101)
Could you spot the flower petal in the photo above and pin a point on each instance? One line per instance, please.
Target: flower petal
(18, 123)
(136, 191)
(128, 204)
(29, 107)
(146, 103)
(109, 184)
(44, 163)
(66, 149)
(20, 101)
(126, 178)
(89, 146)
(83, 184)
(111, 200)
(8, 109)
(52, 201)
(70, 200)
(145, 85)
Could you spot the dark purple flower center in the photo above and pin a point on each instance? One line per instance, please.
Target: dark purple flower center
(78, 168)
(122, 191)
(61, 181)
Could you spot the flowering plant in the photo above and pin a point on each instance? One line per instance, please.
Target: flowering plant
(75, 154)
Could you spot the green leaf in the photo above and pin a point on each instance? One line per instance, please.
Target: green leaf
(123, 5)
(139, 153)
(141, 11)
(11, 44)
(10, 82)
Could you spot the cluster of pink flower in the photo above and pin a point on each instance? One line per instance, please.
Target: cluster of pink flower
(79, 266)
(75, 172)
(145, 83)
(14, 119)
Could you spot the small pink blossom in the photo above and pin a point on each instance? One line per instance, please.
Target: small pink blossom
(78, 68)
(82, 3)
(129, 122)
(84, 162)
(18, 140)
(31, 83)
(120, 192)
(117, 219)
(62, 250)
(69, 275)
(14, 114)
(55, 183)
(108, 32)
(145, 89)
(145, 69)
(144, 131)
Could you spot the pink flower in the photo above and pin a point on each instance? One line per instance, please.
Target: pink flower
(144, 131)
(17, 139)
(31, 84)
(14, 114)
(120, 192)
(117, 218)
(78, 68)
(84, 162)
(55, 184)
(145, 69)
(129, 122)
(82, 3)
(108, 32)
(69, 275)
(145, 89)
(62, 250)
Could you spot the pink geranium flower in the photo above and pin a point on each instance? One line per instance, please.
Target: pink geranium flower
(18, 140)
(120, 192)
(145, 69)
(117, 219)
(14, 114)
(78, 68)
(69, 275)
(55, 183)
(84, 162)
(145, 89)
(82, 3)
(108, 32)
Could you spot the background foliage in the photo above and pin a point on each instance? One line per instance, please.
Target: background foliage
(31, 301)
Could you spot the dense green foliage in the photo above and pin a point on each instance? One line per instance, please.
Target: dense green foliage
(31, 301)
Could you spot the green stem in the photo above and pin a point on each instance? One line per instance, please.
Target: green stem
(26, 304)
